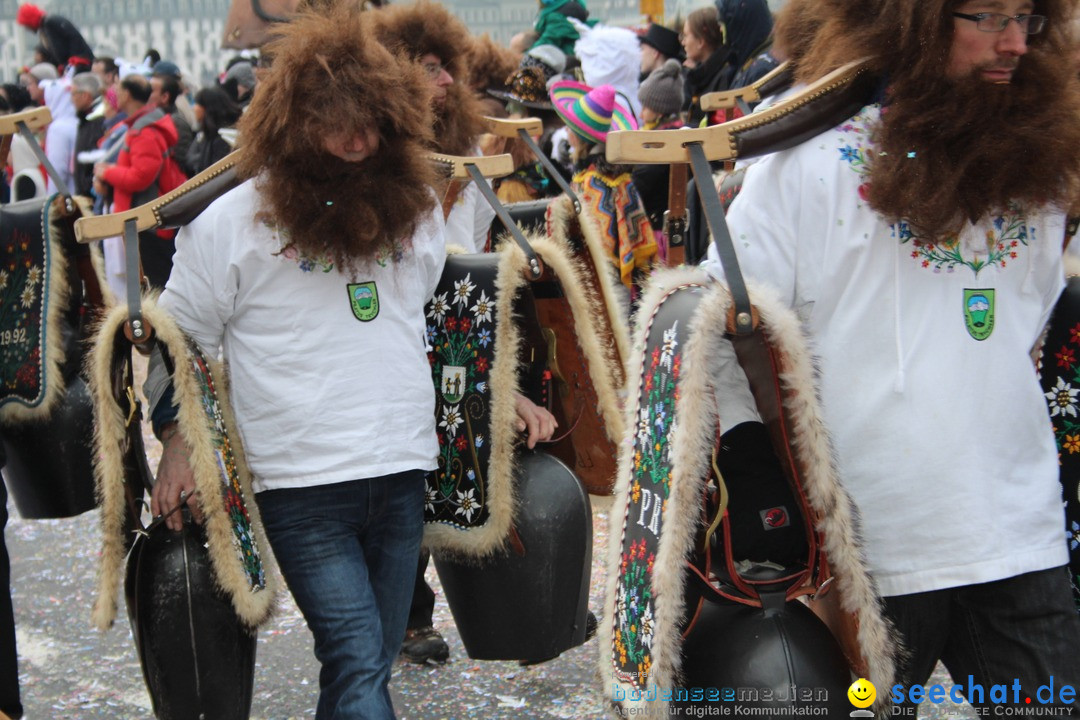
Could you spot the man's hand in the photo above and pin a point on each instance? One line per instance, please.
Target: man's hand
(175, 480)
(537, 420)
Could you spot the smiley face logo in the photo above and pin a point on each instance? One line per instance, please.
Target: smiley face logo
(862, 693)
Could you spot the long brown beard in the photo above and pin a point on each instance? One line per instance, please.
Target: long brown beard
(348, 212)
(951, 151)
(459, 121)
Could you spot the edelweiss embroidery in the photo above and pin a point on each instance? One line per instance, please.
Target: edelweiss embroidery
(1010, 233)
(462, 351)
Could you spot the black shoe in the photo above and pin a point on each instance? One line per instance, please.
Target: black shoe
(423, 644)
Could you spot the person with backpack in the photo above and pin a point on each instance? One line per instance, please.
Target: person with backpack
(143, 170)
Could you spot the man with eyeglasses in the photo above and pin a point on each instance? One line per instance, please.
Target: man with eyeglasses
(920, 243)
(440, 42)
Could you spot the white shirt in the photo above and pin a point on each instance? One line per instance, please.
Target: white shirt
(469, 220)
(320, 395)
(943, 440)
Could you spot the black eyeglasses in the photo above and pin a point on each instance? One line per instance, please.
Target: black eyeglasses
(997, 22)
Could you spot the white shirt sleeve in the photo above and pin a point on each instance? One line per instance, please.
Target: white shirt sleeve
(202, 287)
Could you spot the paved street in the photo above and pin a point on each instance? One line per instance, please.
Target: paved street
(70, 670)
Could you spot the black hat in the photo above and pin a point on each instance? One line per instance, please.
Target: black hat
(664, 40)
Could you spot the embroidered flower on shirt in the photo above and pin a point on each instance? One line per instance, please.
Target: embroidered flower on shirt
(1009, 235)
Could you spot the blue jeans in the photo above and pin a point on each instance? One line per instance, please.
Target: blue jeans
(1022, 628)
(348, 552)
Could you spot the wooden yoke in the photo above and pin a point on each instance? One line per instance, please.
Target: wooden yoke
(172, 209)
(36, 119)
(479, 169)
(511, 127)
(778, 80)
(822, 104)
(525, 129)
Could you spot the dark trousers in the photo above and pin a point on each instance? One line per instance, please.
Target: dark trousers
(423, 599)
(347, 551)
(9, 659)
(1023, 628)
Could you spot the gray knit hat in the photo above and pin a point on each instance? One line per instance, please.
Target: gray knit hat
(662, 91)
(242, 73)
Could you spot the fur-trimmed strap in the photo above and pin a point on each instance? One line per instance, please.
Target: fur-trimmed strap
(222, 479)
(689, 441)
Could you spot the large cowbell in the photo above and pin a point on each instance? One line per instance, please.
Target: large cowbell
(529, 600)
(726, 529)
(47, 441)
(778, 657)
(197, 660)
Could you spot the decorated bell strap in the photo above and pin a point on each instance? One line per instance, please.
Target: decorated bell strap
(640, 637)
(1059, 373)
(475, 340)
(583, 362)
(35, 291)
(580, 232)
(222, 480)
(682, 321)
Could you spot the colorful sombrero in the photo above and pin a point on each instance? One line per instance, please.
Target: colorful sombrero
(590, 112)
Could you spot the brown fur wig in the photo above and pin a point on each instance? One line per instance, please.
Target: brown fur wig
(950, 150)
(329, 76)
(490, 64)
(427, 27)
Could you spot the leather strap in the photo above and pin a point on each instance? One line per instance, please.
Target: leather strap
(675, 216)
(725, 248)
(138, 329)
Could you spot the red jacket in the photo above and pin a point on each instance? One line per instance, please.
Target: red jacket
(142, 157)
